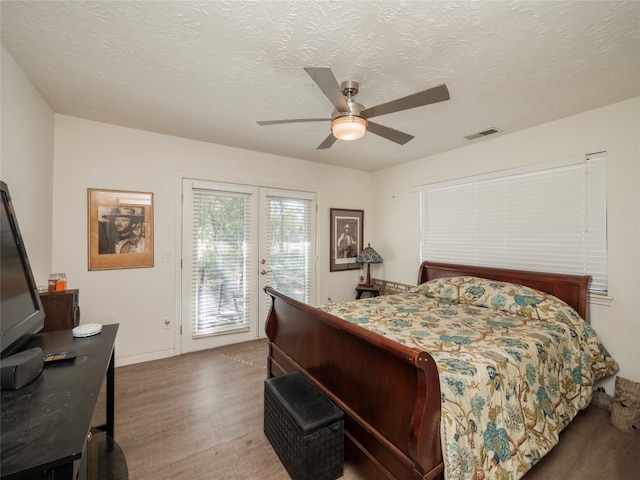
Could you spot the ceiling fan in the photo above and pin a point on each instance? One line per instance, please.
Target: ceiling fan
(350, 120)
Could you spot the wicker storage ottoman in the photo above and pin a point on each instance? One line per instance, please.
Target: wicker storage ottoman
(305, 428)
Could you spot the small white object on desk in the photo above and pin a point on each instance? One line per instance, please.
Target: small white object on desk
(87, 330)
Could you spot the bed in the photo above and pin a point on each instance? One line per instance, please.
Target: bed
(399, 401)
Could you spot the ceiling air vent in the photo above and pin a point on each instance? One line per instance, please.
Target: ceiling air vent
(484, 133)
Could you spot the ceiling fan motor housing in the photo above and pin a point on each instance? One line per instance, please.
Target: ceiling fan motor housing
(354, 110)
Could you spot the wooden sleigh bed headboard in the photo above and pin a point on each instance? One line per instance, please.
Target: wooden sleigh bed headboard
(390, 392)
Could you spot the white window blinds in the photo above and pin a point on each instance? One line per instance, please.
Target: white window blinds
(221, 233)
(290, 234)
(549, 218)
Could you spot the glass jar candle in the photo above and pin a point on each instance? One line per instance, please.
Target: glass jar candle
(57, 282)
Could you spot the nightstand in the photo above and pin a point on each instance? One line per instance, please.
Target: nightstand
(372, 291)
(61, 310)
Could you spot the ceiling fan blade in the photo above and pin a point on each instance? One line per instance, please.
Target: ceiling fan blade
(426, 97)
(327, 142)
(293, 120)
(389, 133)
(327, 82)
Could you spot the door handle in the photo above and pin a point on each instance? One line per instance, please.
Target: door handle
(264, 272)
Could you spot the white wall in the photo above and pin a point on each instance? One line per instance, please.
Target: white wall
(95, 155)
(614, 129)
(26, 161)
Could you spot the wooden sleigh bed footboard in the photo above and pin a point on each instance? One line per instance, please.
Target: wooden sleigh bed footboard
(390, 393)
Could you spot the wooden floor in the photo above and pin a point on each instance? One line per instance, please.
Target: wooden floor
(199, 416)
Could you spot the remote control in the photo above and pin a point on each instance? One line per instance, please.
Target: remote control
(59, 357)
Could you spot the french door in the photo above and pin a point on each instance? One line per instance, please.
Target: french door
(237, 239)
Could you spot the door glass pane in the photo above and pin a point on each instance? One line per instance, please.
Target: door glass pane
(220, 260)
(290, 246)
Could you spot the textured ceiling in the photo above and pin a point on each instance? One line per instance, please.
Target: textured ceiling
(208, 70)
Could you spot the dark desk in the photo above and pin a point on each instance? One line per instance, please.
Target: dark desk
(45, 425)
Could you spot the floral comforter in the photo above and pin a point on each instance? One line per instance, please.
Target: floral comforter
(515, 366)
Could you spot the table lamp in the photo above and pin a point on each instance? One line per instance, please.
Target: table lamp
(368, 255)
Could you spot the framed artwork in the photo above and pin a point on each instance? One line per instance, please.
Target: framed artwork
(347, 227)
(120, 229)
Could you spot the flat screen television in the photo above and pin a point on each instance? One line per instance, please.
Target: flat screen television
(21, 313)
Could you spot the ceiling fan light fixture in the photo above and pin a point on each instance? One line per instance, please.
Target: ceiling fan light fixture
(349, 127)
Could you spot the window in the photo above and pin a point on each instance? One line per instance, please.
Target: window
(549, 217)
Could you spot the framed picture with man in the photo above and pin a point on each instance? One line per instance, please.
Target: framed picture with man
(347, 227)
(120, 229)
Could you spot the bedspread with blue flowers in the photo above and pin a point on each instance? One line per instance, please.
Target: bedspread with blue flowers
(515, 366)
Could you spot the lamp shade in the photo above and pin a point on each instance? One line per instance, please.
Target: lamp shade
(368, 255)
(349, 127)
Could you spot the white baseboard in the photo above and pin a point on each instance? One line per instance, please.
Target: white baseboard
(147, 357)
